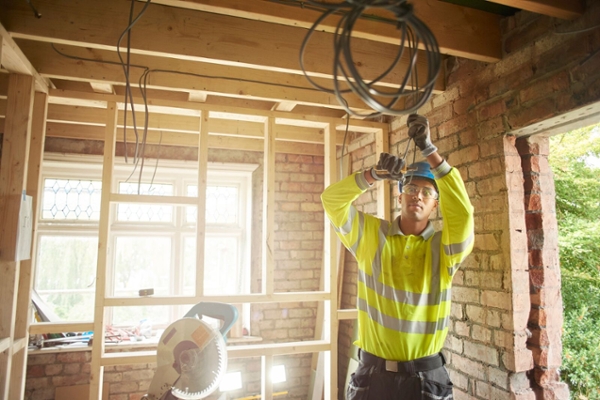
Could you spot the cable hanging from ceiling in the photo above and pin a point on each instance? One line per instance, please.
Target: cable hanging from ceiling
(404, 97)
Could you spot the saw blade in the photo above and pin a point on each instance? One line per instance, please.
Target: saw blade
(191, 358)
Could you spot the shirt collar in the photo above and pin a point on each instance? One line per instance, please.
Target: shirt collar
(426, 234)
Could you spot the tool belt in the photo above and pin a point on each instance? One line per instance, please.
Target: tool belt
(418, 365)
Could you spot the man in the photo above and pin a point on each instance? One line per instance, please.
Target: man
(405, 271)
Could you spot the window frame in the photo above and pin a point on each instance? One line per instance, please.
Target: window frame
(181, 174)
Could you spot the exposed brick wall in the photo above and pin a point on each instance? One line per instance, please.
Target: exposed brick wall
(504, 341)
(546, 317)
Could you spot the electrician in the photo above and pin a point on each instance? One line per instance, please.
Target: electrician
(405, 271)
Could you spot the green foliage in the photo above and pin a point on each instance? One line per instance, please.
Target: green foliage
(575, 160)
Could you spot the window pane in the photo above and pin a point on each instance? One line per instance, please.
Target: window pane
(222, 271)
(142, 262)
(143, 212)
(71, 199)
(66, 269)
(221, 204)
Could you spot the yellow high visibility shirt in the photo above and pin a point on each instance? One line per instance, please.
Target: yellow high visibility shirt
(404, 281)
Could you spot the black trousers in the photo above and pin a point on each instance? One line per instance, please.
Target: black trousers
(372, 381)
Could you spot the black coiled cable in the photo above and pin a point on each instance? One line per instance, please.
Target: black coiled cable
(346, 77)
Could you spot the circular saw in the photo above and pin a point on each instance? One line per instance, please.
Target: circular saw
(192, 355)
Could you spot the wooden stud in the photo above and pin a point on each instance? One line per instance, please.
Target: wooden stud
(382, 145)
(23, 314)
(97, 369)
(266, 381)
(330, 257)
(13, 177)
(268, 234)
(201, 203)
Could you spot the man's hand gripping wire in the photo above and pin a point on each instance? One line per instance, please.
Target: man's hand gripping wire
(388, 167)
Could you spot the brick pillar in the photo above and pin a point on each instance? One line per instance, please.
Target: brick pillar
(546, 316)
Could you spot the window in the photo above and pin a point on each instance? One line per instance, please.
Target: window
(150, 246)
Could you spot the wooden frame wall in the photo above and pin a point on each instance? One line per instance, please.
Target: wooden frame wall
(274, 141)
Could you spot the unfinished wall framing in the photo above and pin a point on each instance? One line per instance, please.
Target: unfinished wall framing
(315, 131)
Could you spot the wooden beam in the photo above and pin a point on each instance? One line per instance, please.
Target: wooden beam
(203, 142)
(59, 327)
(13, 178)
(200, 97)
(207, 37)
(15, 61)
(268, 214)
(285, 106)
(102, 87)
(26, 273)
(185, 75)
(463, 32)
(97, 369)
(238, 351)
(563, 9)
(330, 273)
(99, 100)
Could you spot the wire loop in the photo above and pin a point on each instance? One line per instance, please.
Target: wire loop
(405, 97)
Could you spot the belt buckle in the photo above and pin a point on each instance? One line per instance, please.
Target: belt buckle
(391, 366)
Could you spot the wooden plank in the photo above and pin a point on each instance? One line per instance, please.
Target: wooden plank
(238, 351)
(201, 203)
(455, 35)
(33, 186)
(15, 61)
(241, 298)
(268, 216)
(60, 327)
(347, 314)
(266, 381)
(70, 131)
(382, 145)
(102, 87)
(330, 257)
(156, 200)
(183, 75)
(13, 177)
(198, 96)
(97, 369)
(181, 123)
(99, 100)
(5, 344)
(563, 9)
(207, 37)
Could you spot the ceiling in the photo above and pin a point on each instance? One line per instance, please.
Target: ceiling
(224, 53)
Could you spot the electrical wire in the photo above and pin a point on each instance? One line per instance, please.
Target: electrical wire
(346, 76)
(35, 11)
(126, 72)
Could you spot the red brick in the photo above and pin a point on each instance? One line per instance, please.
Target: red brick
(35, 371)
(536, 112)
(491, 110)
(544, 87)
(524, 35)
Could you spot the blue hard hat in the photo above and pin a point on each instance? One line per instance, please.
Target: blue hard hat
(420, 170)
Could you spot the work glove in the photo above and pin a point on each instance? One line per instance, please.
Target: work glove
(418, 130)
(388, 167)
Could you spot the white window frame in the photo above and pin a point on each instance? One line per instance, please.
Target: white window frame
(179, 173)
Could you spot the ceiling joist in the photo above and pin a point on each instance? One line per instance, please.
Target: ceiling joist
(564, 9)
